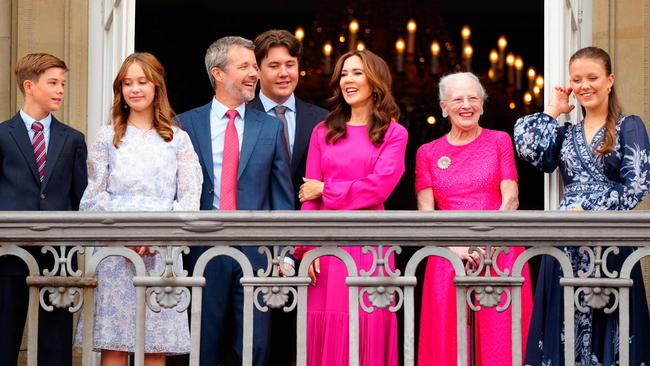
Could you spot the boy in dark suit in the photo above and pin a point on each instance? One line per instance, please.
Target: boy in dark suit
(278, 55)
(42, 168)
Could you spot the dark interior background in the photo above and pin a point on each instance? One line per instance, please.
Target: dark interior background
(179, 32)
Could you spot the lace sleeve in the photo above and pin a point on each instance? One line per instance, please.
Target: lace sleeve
(95, 194)
(189, 177)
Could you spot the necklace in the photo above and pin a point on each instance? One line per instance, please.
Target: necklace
(144, 134)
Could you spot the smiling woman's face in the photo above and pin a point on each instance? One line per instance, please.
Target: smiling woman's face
(464, 104)
(590, 82)
(354, 83)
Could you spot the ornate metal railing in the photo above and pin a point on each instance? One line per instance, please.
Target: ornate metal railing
(64, 234)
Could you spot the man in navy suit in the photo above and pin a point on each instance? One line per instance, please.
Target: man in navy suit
(278, 54)
(263, 183)
(52, 181)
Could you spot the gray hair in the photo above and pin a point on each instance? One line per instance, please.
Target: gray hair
(217, 53)
(443, 85)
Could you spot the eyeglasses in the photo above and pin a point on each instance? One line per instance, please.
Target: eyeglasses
(472, 100)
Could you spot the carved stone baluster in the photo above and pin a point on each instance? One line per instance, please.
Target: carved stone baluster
(276, 295)
(65, 294)
(169, 297)
(382, 294)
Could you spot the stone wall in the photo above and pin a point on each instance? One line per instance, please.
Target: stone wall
(59, 27)
(623, 29)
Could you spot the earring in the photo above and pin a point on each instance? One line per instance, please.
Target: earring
(609, 89)
(374, 96)
(444, 114)
(126, 106)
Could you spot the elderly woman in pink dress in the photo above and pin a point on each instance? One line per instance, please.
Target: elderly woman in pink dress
(355, 160)
(470, 168)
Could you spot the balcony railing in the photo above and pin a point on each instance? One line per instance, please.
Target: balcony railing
(64, 234)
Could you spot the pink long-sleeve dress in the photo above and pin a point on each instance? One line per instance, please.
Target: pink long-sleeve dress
(357, 176)
(466, 177)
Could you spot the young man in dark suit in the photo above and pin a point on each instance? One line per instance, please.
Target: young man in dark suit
(278, 55)
(255, 177)
(42, 168)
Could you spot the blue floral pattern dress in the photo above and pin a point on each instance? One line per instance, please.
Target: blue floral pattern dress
(145, 174)
(615, 181)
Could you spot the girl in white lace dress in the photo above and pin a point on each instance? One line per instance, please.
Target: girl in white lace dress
(143, 162)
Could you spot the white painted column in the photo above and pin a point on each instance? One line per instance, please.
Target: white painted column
(111, 37)
(567, 28)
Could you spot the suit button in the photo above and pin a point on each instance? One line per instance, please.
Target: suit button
(210, 191)
(42, 196)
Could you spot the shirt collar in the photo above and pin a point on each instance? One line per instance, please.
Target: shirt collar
(47, 121)
(270, 104)
(220, 109)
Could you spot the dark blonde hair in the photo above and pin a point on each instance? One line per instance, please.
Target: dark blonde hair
(384, 108)
(614, 109)
(31, 66)
(163, 115)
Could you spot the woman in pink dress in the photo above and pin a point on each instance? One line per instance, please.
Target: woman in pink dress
(470, 168)
(355, 160)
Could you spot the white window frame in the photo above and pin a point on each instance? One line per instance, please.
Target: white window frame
(567, 28)
(111, 37)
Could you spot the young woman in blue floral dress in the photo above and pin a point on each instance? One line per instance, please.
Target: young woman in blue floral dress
(604, 162)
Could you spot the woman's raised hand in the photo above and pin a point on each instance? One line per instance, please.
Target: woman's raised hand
(559, 101)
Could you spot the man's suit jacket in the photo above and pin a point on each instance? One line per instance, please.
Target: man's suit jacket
(20, 187)
(307, 117)
(264, 179)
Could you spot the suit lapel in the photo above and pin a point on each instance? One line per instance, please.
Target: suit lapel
(303, 132)
(257, 104)
(252, 129)
(21, 137)
(203, 135)
(54, 147)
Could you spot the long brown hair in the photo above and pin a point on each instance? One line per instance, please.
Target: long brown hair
(614, 109)
(163, 115)
(384, 109)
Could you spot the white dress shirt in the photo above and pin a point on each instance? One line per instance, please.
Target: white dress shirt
(289, 114)
(218, 123)
(47, 122)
